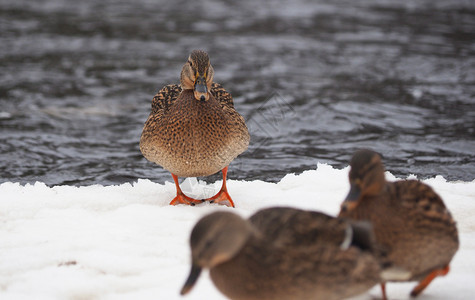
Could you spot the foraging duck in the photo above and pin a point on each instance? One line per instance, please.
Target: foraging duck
(284, 253)
(193, 128)
(410, 220)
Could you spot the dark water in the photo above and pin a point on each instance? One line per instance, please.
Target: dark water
(314, 80)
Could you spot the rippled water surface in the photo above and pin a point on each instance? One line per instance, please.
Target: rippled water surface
(315, 81)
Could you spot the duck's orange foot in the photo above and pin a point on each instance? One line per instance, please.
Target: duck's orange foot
(222, 197)
(184, 199)
(425, 282)
(180, 197)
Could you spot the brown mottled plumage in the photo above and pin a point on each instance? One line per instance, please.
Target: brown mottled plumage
(193, 128)
(410, 220)
(283, 253)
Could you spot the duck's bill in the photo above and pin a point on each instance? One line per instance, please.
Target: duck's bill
(354, 194)
(190, 282)
(351, 199)
(201, 88)
(200, 85)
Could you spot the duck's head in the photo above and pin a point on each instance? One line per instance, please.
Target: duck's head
(366, 178)
(215, 239)
(197, 75)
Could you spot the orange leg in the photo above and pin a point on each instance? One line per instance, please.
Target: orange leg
(223, 194)
(181, 198)
(425, 282)
(383, 290)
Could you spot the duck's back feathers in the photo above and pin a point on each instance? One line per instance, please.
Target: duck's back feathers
(299, 227)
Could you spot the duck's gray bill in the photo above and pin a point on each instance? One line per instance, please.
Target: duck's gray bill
(354, 193)
(190, 282)
(200, 85)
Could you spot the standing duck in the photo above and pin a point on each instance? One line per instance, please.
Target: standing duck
(284, 253)
(410, 220)
(193, 129)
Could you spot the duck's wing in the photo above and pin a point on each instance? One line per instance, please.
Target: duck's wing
(421, 199)
(165, 98)
(424, 205)
(222, 95)
(169, 93)
(285, 226)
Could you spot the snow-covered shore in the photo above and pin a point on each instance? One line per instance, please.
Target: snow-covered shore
(126, 242)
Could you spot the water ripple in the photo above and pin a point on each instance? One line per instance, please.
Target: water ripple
(77, 78)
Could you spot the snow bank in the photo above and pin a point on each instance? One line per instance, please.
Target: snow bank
(126, 242)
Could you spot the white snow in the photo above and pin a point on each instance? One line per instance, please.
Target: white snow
(126, 242)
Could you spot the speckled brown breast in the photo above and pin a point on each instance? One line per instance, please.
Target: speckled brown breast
(194, 138)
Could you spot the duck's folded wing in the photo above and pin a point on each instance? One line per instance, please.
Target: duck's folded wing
(222, 95)
(165, 98)
(424, 205)
(286, 226)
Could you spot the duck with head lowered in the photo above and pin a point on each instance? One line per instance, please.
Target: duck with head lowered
(411, 222)
(193, 129)
(285, 253)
